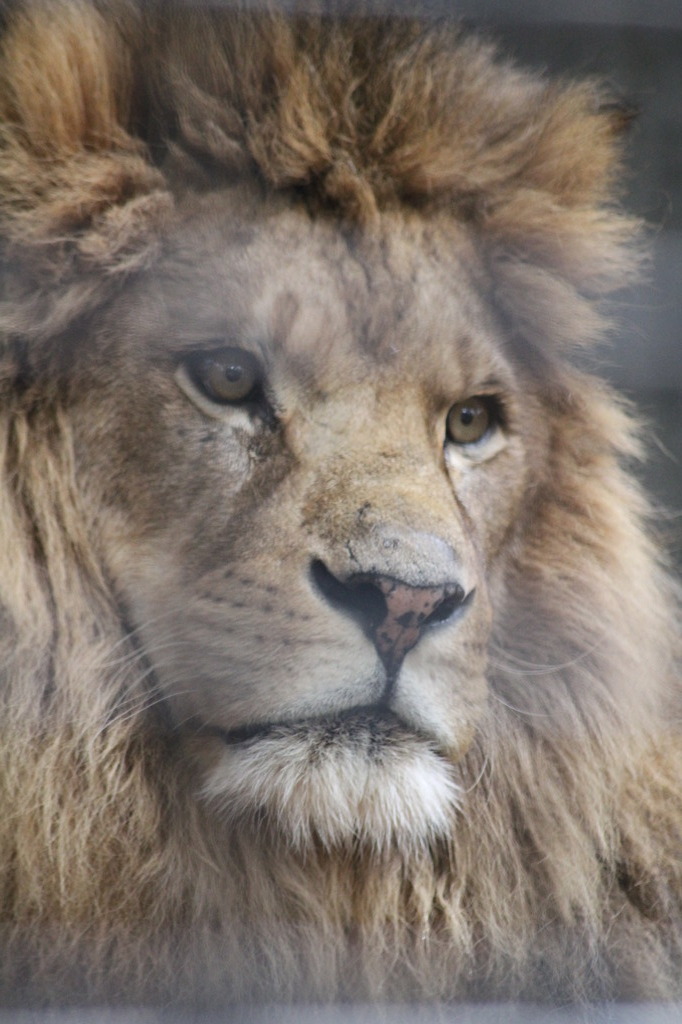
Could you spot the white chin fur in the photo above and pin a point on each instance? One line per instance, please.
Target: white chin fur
(324, 784)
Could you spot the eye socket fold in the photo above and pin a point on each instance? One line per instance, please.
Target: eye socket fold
(226, 376)
(472, 419)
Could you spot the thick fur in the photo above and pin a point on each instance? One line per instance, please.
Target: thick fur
(141, 863)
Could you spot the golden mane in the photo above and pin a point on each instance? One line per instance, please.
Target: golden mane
(566, 880)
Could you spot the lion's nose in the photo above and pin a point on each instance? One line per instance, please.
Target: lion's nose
(393, 614)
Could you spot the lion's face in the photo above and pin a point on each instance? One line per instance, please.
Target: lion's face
(310, 455)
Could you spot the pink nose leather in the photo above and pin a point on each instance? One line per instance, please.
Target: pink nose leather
(407, 610)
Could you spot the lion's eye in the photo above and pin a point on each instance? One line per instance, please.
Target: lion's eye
(225, 375)
(469, 421)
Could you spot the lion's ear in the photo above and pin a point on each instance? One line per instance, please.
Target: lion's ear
(78, 194)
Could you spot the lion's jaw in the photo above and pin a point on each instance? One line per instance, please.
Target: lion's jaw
(300, 718)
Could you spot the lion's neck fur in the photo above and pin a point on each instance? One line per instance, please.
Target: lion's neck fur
(108, 843)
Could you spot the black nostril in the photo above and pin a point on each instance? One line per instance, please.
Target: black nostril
(362, 600)
(449, 605)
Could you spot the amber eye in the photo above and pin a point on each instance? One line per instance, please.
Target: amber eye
(225, 375)
(469, 421)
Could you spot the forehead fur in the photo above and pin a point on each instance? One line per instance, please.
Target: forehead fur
(368, 112)
(111, 110)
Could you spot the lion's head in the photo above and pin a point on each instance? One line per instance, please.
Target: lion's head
(329, 613)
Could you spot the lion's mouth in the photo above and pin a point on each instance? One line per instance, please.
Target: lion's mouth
(367, 722)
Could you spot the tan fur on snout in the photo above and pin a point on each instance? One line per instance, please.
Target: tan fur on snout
(389, 500)
(310, 693)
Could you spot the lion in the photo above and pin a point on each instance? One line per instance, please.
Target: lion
(339, 658)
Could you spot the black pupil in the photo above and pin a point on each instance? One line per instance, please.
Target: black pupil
(466, 417)
(234, 373)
